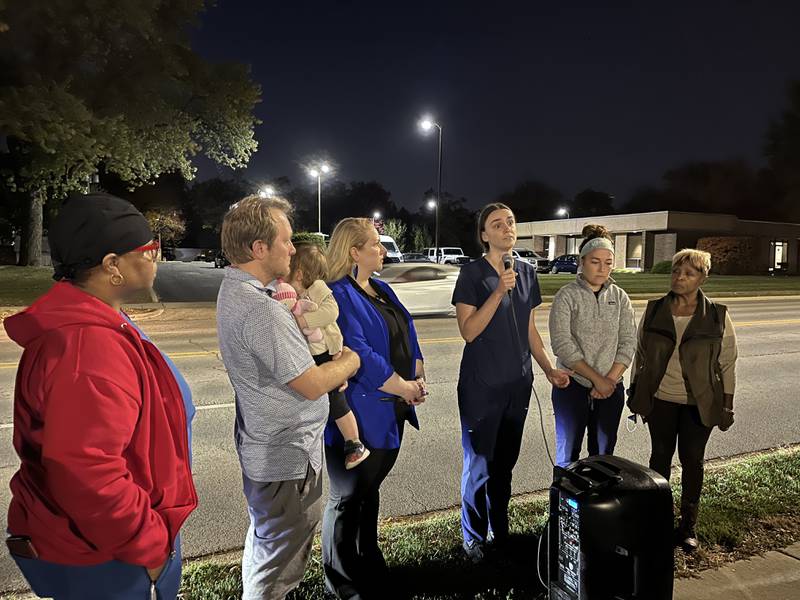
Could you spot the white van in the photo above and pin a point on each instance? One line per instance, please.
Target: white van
(393, 254)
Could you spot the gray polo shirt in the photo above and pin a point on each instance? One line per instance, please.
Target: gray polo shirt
(278, 432)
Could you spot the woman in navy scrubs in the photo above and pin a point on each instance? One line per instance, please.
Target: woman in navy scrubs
(495, 311)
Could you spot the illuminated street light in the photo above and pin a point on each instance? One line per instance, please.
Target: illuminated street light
(266, 192)
(563, 212)
(426, 124)
(316, 172)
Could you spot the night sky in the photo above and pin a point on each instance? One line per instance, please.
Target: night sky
(606, 95)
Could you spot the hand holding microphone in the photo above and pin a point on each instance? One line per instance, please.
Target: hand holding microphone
(508, 278)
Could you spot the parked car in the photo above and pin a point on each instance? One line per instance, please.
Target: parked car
(207, 255)
(220, 262)
(393, 254)
(566, 263)
(540, 263)
(167, 253)
(423, 288)
(415, 257)
(447, 255)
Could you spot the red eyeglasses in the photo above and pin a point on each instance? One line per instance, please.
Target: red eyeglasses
(149, 250)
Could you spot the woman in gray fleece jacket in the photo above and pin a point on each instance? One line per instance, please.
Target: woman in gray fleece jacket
(593, 334)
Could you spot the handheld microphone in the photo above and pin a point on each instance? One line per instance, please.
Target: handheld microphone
(508, 263)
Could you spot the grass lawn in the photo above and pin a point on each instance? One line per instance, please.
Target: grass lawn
(750, 505)
(19, 286)
(717, 285)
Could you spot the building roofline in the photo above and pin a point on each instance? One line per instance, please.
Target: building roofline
(769, 222)
(637, 214)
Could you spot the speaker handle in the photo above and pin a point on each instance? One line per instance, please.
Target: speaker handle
(579, 485)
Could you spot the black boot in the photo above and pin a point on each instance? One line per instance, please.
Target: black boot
(687, 538)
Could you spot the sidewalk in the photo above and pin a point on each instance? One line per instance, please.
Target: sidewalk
(774, 576)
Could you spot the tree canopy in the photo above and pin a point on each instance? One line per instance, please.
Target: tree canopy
(114, 86)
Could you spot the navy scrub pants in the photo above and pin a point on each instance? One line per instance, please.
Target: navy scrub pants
(492, 420)
(576, 413)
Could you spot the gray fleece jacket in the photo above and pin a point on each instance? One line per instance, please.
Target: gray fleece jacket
(599, 330)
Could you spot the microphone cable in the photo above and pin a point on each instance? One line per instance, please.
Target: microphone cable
(508, 265)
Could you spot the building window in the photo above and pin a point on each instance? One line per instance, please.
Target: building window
(779, 255)
(633, 250)
(573, 244)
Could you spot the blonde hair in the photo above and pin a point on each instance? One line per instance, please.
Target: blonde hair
(698, 259)
(247, 221)
(352, 232)
(311, 261)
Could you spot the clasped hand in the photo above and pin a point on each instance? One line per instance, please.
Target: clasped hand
(415, 392)
(558, 377)
(603, 388)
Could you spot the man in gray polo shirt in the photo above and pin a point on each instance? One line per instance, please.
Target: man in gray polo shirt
(281, 398)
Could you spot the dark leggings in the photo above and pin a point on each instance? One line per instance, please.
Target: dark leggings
(336, 399)
(669, 423)
(353, 563)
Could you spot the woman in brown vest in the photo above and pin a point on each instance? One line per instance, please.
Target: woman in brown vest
(684, 378)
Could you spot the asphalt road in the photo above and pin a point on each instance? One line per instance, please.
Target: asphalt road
(188, 281)
(427, 473)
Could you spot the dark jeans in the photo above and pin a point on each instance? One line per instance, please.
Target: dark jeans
(576, 413)
(670, 422)
(113, 580)
(492, 422)
(353, 563)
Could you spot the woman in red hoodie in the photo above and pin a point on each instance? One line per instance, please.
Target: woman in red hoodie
(101, 421)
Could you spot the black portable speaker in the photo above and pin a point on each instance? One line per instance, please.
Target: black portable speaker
(610, 532)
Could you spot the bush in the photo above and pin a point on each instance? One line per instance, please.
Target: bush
(665, 266)
(300, 237)
(730, 255)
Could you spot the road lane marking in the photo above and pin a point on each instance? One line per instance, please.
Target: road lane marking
(198, 408)
(213, 406)
(449, 340)
(765, 322)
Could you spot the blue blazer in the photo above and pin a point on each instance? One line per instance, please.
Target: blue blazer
(365, 333)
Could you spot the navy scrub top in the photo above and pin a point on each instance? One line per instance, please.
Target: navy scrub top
(497, 357)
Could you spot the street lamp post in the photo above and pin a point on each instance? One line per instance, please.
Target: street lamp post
(376, 216)
(317, 172)
(266, 191)
(563, 212)
(426, 124)
(432, 204)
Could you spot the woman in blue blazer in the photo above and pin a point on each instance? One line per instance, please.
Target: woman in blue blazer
(382, 395)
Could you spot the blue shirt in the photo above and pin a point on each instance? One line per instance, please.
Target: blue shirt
(498, 356)
(366, 333)
(186, 392)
